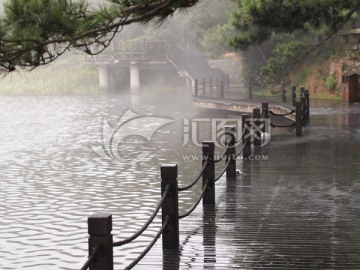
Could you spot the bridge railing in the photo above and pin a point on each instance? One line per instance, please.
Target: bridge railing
(141, 48)
(100, 240)
(222, 88)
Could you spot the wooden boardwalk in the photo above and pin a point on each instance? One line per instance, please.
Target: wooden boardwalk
(299, 209)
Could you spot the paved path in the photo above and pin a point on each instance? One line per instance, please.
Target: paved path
(300, 209)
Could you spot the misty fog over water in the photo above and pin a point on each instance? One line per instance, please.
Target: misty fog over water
(51, 179)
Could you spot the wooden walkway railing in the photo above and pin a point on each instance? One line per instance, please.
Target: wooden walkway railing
(252, 134)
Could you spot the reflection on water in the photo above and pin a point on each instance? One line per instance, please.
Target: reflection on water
(51, 180)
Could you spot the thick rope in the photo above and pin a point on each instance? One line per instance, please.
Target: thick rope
(197, 202)
(274, 126)
(156, 237)
(222, 156)
(197, 178)
(222, 173)
(144, 227)
(91, 258)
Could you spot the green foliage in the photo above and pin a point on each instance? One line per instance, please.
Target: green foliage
(36, 32)
(331, 82)
(257, 20)
(281, 62)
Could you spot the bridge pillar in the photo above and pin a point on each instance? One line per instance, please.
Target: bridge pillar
(134, 77)
(104, 81)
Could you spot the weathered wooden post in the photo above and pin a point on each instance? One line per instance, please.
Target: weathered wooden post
(265, 115)
(283, 92)
(230, 138)
(203, 87)
(245, 125)
(257, 127)
(293, 94)
(250, 89)
(222, 89)
(303, 106)
(265, 109)
(99, 229)
(302, 91)
(196, 86)
(170, 206)
(208, 148)
(298, 118)
(307, 97)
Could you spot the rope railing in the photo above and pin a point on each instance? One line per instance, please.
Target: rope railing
(241, 150)
(196, 179)
(148, 222)
(221, 157)
(283, 126)
(101, 242)
(147, 249)
(92, 257)
(223, 171)
(193, 207)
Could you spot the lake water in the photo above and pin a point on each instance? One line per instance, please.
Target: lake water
(52, 179)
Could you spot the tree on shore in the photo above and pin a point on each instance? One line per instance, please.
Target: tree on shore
(36, 32)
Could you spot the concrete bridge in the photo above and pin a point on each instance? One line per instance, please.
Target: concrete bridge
(150, 55)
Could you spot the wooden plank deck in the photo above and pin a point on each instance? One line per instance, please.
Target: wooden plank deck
(292, 211)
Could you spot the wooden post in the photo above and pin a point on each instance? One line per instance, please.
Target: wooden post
(307, 97)
(222, 89)
(265, 109)
(303, 108)
(283, 92)
(265, 115)
(245, 129)
(298, 117)
(170, 207)
(302, 91)
(230, 138)
(293, 94)
(99, 229)
(196, 93)
(208, 148)
(257, 127)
